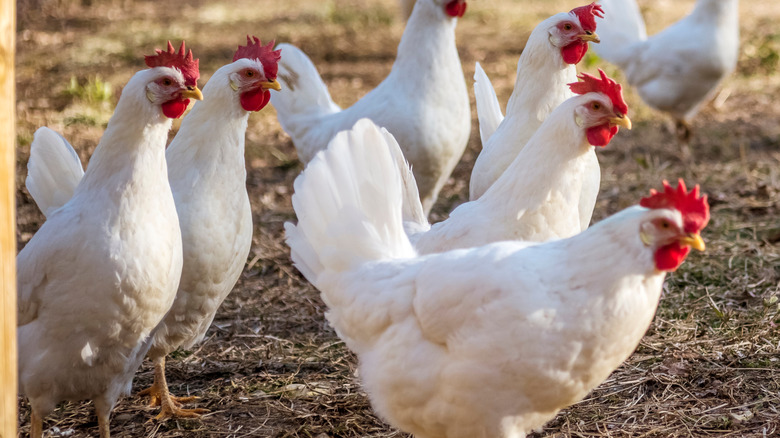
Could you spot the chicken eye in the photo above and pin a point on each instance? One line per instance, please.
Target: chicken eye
(665, 225)
(567, 26)
(167, 82)
(249, 73)
(596, 106)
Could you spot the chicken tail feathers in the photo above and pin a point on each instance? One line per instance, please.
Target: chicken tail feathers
(53, 170)
(349, 205)
(303, 92)
(414, 218)
(488, 109)
(621, 27)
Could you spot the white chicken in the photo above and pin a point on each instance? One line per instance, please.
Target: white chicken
(679, 68)
(103, 270)
(483, 342)
(547, 64)
(207, 175)
(423, 101)
(540, 196)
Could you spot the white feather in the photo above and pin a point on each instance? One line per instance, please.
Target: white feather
(103, 270)
(207, 174)
(349, 200)
(621, 28)
(87, 355)
(53, 170)
(486, 341)
(488, 108)
(679, 68)
(540, 87)
(423, 102)
(548, 192)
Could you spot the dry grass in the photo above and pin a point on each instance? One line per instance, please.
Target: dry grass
(709, 365)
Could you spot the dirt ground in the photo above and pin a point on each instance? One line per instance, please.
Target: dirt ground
(272, 367)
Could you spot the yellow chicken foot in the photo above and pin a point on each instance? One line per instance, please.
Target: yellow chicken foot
(171, 406)
(154, 394)
(172, 409)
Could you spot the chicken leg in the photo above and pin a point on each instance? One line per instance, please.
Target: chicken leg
(105, 432)
(683, 130)
(170, 404)
(103, 412)
(36, 425)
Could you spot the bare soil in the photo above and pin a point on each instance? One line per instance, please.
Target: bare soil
(272, 367)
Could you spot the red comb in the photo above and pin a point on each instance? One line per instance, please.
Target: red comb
(587, 15)
(181, 61)
(605, 85)
(265, 54)
(695, 210)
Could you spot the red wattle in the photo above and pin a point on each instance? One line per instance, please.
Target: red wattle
(456, 8)
(601, 135)
(174, 109)
(255, 100)
(670, 257)
(574, 52)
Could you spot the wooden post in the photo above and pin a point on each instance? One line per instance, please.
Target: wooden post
(8, 409)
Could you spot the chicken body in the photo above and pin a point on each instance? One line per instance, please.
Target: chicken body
(489, 341)
(540, 196)
(207, 175)
(679, 68)
(423, 100)
(102, 271)
(540, 86)
(494, 341)
(536, 199)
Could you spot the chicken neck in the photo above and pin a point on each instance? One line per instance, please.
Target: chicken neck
(427, 46)
(552, 150)
(132, 149)
(211, 139)
(542, 76)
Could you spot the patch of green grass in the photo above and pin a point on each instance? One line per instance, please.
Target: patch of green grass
(180, 354)
(591, 59)
(373, 16)
(24, 138)
(93, 90)
(81, 119)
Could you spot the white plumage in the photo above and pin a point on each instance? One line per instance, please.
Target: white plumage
(54, 173)
(536, 199)
(540, 86)
(102, 271)
(208, 178)
(207, 175)
(679, 68)
(482, 342)
(423, 101)
(547, 192)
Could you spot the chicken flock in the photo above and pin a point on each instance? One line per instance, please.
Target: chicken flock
(482, 325)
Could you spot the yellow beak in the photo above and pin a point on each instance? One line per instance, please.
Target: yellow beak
(623, 121)
(694, 241)
(272, 85)
(590, 37)
(192, 93)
